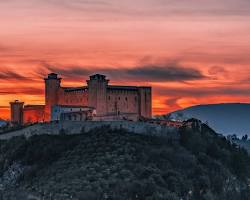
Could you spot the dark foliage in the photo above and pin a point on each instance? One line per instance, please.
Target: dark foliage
(217, 148)
(105, 164)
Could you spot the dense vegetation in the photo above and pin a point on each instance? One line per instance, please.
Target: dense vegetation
(105, 164)
(244, 142)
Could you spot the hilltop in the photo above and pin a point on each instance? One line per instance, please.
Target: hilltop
(115, 164)
(231, 118)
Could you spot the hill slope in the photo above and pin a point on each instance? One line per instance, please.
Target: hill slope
(224, 118)
(105, 164)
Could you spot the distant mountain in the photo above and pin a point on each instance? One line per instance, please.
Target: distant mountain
(232, 118)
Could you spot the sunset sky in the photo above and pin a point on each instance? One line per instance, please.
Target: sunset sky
(190, 51)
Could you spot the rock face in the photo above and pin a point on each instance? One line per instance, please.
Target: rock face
(226, 119)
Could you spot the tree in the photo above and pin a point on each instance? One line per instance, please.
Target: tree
(244, 137)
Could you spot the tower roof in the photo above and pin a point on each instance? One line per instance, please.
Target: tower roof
(16, 102)
(53, 76)
(97, 77)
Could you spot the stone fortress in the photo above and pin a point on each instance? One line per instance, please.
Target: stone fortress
(96, 101)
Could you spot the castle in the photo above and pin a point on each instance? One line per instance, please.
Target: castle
(96, 101)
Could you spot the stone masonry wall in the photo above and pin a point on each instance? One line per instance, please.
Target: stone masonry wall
(77, 127)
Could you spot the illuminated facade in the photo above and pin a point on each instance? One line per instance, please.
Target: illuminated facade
(108, 101)
(16, 112)
(72, 113)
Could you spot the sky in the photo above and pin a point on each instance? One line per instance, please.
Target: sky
(191, 52)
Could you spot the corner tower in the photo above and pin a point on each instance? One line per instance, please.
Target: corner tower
(145, 102)
(52, 86)
(16, 109)
(97, 92)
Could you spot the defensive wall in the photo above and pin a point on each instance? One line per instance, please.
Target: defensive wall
(76, 127)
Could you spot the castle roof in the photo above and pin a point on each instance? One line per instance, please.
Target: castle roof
(120, 87)
(74, 89)
(73, 106)
(33, 107)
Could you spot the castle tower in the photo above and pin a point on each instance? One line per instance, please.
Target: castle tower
(16, 109)
(97, 92)
(145, 102)
(52, 85)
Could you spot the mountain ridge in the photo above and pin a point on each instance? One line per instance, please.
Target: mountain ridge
(225, 118)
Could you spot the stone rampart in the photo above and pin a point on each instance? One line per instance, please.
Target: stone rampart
(70, 127)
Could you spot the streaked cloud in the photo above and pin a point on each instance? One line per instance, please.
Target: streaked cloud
(22, 91)
(196, 92)
(11, 75)
(150, 73)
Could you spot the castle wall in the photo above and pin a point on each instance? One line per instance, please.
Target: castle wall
(58, 112)
(33, 114)
(77, 127)
(122, 101)
(145, 104)
(73, 97)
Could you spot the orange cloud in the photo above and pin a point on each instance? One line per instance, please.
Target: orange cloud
(191, 52)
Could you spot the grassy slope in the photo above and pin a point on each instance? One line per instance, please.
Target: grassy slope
(117, 165)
